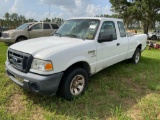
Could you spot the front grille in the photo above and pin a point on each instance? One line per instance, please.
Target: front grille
(5, 35)
(19, 60)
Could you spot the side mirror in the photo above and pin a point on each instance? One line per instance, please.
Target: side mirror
(105, 38)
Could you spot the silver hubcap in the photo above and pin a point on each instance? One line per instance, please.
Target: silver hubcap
(137, 57)
(77, 85)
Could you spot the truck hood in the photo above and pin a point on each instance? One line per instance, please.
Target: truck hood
(41, 47)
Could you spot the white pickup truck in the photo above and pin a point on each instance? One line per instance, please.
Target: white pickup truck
(62, 64)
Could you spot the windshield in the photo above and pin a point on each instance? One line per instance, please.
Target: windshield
(79, 28)
(24, 26)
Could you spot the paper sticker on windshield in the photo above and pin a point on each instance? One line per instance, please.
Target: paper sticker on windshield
(92, 26)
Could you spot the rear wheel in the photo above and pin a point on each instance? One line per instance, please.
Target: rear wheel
(136, 57)
(19, 39)
(73, 84)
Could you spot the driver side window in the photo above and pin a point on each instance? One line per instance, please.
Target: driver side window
(37, 26)
(108, 27)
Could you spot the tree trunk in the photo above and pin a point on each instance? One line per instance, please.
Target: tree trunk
(145, 28)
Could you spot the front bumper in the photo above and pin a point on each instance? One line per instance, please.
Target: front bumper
(7, 40)
(43, 85)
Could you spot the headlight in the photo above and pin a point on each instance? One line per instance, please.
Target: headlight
(42, 65)
(11, 35)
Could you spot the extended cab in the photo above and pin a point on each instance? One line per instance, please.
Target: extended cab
(28, 31)
(64, 62)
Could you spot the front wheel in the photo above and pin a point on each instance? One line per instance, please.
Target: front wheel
(136, 56)
(73, 84)
(19, 39)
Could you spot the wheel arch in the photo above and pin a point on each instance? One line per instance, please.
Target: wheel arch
(21, 36)
(82, 64)
(139, 46)
(153, 37)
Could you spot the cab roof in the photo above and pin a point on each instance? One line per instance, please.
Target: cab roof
(98, 18)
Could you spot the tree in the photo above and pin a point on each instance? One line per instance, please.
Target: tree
(21, 19)
(59, 21)
(1, 22)
(146, 11)
(14, 18)
(7, 19)
(47, 20)
(31, 20)
(108, 16)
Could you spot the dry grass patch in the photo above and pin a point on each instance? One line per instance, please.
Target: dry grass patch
(16, 104)
(147, 108)
(37, 114)
(135, 113)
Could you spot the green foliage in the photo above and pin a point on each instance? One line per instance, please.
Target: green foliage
(108, 16)
(14, 20)
(146, 11)
(59, 21)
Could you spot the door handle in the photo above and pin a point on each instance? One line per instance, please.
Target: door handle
(118, 44)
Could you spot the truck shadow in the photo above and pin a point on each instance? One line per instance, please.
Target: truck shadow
(114, 90)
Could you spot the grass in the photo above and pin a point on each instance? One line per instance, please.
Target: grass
(121, 92)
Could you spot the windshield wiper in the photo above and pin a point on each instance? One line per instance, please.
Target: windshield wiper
(58, 34)
(71, 35)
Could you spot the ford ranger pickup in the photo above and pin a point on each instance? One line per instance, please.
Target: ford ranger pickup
(63, 63)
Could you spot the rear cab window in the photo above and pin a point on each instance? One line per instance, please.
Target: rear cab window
(122, 30)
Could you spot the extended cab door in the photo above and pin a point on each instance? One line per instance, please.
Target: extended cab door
(113, 51)
(36, 31)
(123, 40)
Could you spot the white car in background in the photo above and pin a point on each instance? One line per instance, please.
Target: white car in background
(154, 35)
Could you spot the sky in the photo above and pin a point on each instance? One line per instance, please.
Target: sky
(39, 9)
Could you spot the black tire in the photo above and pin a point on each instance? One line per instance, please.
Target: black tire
(154, 37)
(136, 56)
(73, 84)
(19, 39)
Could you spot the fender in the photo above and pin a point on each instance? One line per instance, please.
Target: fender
(76, 60)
